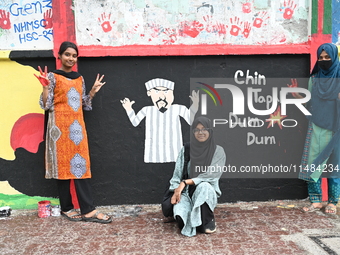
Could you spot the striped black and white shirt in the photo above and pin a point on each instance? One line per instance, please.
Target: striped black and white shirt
(163, 132)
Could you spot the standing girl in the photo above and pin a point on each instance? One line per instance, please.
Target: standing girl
(322, 147)
(67, 153)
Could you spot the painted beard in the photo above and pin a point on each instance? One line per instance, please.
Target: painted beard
(162, 109)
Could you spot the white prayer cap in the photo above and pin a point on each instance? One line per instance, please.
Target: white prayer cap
(158, 82)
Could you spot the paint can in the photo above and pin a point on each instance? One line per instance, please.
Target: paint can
(44, 209)
(55, 210)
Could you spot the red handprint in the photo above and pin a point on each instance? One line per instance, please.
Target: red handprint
(43, 77)
(289, 9)
(261, 17)
(47, 23)
(294, 85)
(246, 7)
(235, 29)
(106, 26)
(220, 28)
(192, 28)
(209, 26)
(5, 23)
(246, 29)
(156, 29)
(171, 33)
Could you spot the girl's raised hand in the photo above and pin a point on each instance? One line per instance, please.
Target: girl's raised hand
(43, 77)
(98, 83)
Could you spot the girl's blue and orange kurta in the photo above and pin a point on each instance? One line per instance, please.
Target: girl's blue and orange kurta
(67, 152)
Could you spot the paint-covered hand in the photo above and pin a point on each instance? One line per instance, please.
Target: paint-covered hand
(127, 104)
(98, 84)
(43, 77)
(294, 85)
(195, 97)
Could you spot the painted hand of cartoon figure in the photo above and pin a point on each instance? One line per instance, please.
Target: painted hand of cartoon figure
(127, 104)
(43, 77)
(294, 85)
(195, 97)
(98, 84)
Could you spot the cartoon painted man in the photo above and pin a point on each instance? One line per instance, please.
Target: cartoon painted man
(163, 133)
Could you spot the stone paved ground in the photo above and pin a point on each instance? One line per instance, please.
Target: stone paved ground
(243, 228)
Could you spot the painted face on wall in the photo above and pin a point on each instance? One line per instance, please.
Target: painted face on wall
(161, 97)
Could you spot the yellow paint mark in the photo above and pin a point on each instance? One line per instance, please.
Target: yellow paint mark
(6, 203)
(20, 92)
(7, 189)
(31, 201)
(4, 54)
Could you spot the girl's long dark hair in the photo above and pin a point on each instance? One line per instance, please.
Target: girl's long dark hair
(66, 45)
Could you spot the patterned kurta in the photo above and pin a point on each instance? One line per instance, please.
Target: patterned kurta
(67, 153)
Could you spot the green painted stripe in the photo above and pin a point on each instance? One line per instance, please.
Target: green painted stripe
(327, 17)
(314, 16)
(209, 93)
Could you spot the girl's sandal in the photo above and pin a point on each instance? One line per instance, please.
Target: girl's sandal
(72, 215)
(310, 208)
(330, 209)
(106, 219)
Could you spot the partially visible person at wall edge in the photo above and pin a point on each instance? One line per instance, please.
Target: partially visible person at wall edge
(195, 211)
(67, 154)
(321, 154)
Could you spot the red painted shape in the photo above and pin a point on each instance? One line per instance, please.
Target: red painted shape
(48, 23)
(246, 8)
(74, 195)
(191, 28)
(324, 187)
(246, 30)
(187, 50)
(63, 26)
(28, 132)
(320, 15)
(5, 22)
(213, 90)
(289, 9)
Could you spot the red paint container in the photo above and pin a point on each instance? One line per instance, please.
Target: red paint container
(44, 209)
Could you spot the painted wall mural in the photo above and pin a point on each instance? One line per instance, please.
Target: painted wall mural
(21, 118)
(163, 132)
(191, 22)
(9, 196)
(21, 129)
(26, 24)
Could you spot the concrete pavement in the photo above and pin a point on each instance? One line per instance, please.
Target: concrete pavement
(276, 227)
